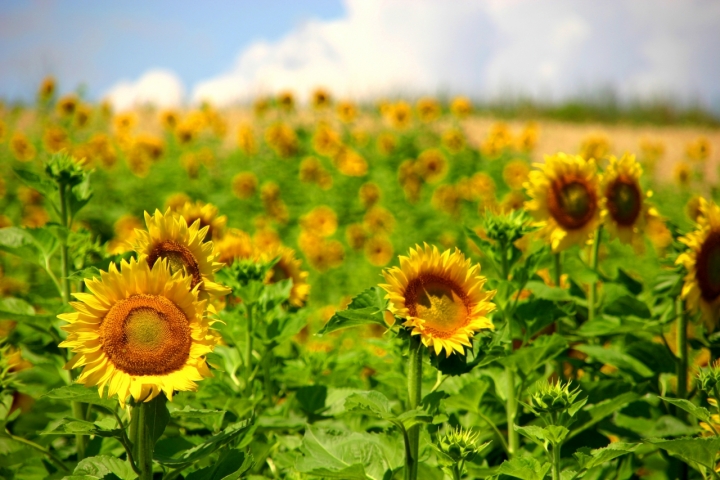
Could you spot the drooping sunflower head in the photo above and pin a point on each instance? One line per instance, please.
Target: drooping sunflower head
(702, 262)
(440, 296)
(184, 248)
(625, 209)
(288, 266)
(565, 198)
(140, 331)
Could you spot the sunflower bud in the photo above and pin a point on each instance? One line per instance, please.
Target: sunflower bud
(553, 397)
(460, 444)
(66, 169)
(709, 378)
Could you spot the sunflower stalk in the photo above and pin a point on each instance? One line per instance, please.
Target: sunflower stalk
(682, 350)
(247, 353)
(141, 437)
(511, 402)
(414, 399)
(592, 292)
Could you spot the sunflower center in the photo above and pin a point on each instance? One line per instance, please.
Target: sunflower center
(708, 267)
(438, 301)
(624, 201)
(572, 203)
(279, 273)
(146, 335)
(179, 257)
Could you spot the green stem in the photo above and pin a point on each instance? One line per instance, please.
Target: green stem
(556, 462)
(682, 349)
(557, 268)
(511, 409)
(247, 356)
(141, 438)
(414, 399)
(592, 293)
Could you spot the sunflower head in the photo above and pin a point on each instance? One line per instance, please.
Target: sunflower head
(320, 98)
(347, 111)
(287, 266)
(206, 214)
(440, 296)
(565, 199)
(140, 331)
(461, 107)
(168, 237)
(702, 262)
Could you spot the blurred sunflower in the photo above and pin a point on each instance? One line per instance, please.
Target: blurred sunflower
(461, 107)
(246, 139)
(177, 200)
(625, 208)
(702, 262)
(102, 150)
(286, 101)
(565, 198)
(528, 137)
(428, 109)
(140, 332)
(320, 99)
(321, 220)
(169, 237)
(207, 214)
(651, 151)
(244, 185)
(446, 198)
(235, 244)
(346, 111)
(698, 150)
(47, 89)
(312, 171)
(261, 106)
(356, 236)
(350, 163)
(125, 122)
(453, 140)
(66, 106)
(169, 119)
(431, 166)
(82, 116)
(379, 220)
(515, 174)
(682, 173)
(125, 235)
(282, 139)
(595, 146)
(386, 143)
(326, 141)
(369, 194)
(440, 297)
(378, 250)
(399, 115)
(692, 208)
(3, 131)
(21, 147)
(512, 201)
(288, 266)
(498, 139)
(410, 180)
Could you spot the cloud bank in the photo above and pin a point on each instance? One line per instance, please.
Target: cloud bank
(548, 49)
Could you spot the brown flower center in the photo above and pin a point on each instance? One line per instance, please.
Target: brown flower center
(179, 258)
(146, 335)
(440, 302)
(572, 203)
(707, 267)
(624, 201)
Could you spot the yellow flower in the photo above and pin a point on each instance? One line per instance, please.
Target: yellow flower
(625, 209)
(698, 150)
(47, 89)
(702, 262)
(244, 185)
(124, 122)
(326, 141)
(516, 174)
(286, 100)
(274, 206)
(461, 107)
(320, 98)
(102, 150)
(379, 220)
(453, 140)
(692, 208)
(595, 146)
(659, 234)
(207, 214)
(398, 115)
(66, 106)
(379, 250)
(150, 146)
(651, 151)
(512, 201)
(528, 138)
(480, 186)
(170, 238)
(446, 198)
(350, 163)
(682, 173)
(260, 106)
(139, 332)
(312, 171)
(346, 111)
(428, 109)
(431, 165)
(169, 119)
(369, 194)
(124, 229)
(34, 216)
(565, 199)
(321, 220)
(235, 244)
(282, 139)
(3, 131)
(177, 200)
(498, 139)
(323, 255)
(21, 147)
(82, 116)
(440, 297)
(287, 267)
(410, 180)
(246, 139)
(386, 143)
(55, 139)
(356, 236)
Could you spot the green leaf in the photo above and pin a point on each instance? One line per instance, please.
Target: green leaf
(231, 465)
(525, 468)
(72, 426)
(616, 358)
(157, 417)
(81, 393)
(85, 273)
(597, 457)
(312, 398)
(533, 432)
(33, 180)
(102, 465)
(627, 305)
(633, 286)
(700, 413)
(192, 455)
(372, 401)
(18, 241)
(212, 419)
(541, 351)
(692, 450)
(540, 290)
(594, 413)
(348, 455)
(368, 307)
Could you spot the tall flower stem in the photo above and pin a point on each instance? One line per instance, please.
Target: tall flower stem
(592, 293)
(141, 438)
(682, 348)
(511, 401)
(247, 354)
(414, 399)
(556, 462)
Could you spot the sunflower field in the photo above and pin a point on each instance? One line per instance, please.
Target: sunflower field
(353, 291)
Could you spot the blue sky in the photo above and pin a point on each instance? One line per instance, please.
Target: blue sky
(102, 42)
(172, 52)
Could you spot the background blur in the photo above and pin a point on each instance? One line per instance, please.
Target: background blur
(174, 53)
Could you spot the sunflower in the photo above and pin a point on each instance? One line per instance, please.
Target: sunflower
(398, 114)
(446, 198)
(428, 109)
(282, 139)
(595, 146)
(21, 147)
(320, 98)
(528, 137)
(515, 173)
(692, 208)
(169, 237)
(431, 165)
(565, 198)
(350, 163)
(326, 141)
(141, 331)
(169, 119)
(453, 140)
(47, 89)
(386, 144)
(207, 213)
(682, 173)
(287, 267)
(346, 111)
(66, 106)
(321, 221)
(702, 262)
(440, 296)
(124, 229)
(82, 116)
(625, 210)
(379, 250)
(286, 100)
(379, 220)
(698, 150)
(176, 200)
(244, 185)
(461, 107)
(356, 236)
(246, 139)
(234, 244)
(369, 194)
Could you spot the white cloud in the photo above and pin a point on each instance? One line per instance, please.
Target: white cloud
(158, 87)
(545, 48)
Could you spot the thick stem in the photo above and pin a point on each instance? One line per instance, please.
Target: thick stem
(556, 462)
(592, 293)
(141, 438)
(511, 409)
(414, 399)
(557, 268)
(247, 354)
(682, 349)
